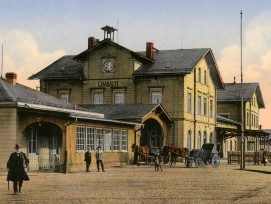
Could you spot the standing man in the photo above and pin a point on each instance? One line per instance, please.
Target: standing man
(88, 159)
(16, 165)
(99, 158)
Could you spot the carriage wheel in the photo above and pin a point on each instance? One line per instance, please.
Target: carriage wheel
(138, 160)
(188, 163)
(196, 162)
(215, 161)
(201, 163)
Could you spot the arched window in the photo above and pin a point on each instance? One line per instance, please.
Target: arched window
(211, 137)
(199, 140)
(204, 137)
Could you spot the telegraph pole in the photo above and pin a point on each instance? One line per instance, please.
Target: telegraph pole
(242, 164)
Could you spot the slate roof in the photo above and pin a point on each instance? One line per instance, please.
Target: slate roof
(24, 94)
(180, 61)
(131, 112)
(64, 68)
(232, 92)
(172, 61)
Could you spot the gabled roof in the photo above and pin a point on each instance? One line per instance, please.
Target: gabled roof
(30, 99)
(130, 112)
(83, 56)
(64, 68)
(21, 93)
(179, 62)
(232, 93)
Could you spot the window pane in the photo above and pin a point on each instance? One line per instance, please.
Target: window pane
(98, 98)
(32, 141)
(119, 98)
(124, 138)
(108, 139)
(189, 102)
(100, 138)
(64, 97)
(205, 106)
(90, 138)
(80, 138)
(156, 97)
(116, 140)
(199, 105)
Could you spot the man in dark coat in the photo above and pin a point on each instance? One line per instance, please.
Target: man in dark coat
(16, 165)
(88, 159)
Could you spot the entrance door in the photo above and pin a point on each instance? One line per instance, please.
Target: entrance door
(151, 134)
(44, 143)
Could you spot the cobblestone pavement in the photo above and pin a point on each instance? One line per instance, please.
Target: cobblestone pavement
(141, 184)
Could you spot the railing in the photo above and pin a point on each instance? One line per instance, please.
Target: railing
(249, 157)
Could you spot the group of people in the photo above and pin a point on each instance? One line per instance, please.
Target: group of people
(99, 159)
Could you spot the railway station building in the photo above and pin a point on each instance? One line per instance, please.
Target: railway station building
(107, 76)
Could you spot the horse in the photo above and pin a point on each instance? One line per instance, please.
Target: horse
(141, 151)
(174, 152)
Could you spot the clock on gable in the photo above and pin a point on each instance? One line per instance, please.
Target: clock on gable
(108, 65)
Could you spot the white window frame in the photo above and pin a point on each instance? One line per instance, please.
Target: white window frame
(116, 139)
(100, 138)
(33, 141)
(97, 97)
(156, 97)
(108, 140)
(90, 138)
(118, 97)
(124, 140)
(80, 138)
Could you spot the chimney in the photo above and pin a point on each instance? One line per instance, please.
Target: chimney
(149, 50)
(11, 77)
(91, 42)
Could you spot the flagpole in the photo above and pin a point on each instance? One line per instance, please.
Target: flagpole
(242, 164)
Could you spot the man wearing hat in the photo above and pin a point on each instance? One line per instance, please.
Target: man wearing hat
(99, 158)
(16, 165)
(88, 159)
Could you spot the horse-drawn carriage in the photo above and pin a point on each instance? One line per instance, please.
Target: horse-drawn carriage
(204, 156)
(172, 153)
(145, 154)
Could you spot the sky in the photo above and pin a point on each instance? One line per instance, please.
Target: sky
(35, 33)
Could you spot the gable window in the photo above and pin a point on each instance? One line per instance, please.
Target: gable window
(118, 98)
(199, 75)
(156, 97)
(189, 102)
(64, 95)
(199, 105)
(97, 97)
(205, 77)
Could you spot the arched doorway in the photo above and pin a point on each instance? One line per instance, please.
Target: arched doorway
(152, 134)
(44, 142)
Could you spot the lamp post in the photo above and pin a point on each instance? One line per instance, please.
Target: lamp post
(242, 164)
